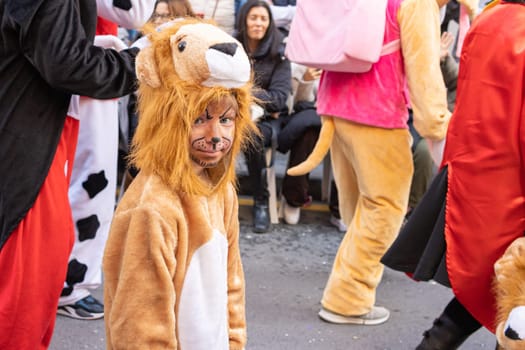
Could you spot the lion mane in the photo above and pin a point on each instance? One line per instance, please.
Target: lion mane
(177, 80)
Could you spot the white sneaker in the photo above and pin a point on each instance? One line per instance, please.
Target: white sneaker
(291, 214)
(338, 223)
(376, 316)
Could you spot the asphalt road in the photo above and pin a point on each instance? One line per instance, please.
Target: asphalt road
(286, 271)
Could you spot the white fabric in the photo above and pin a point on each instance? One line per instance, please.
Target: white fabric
(141, 42)
(228, 71)
(203, 307)
(73, 109)
(97, 150)
(357, 26)
(256, 112)
(134, 18)
(442, 13)
(283, 15)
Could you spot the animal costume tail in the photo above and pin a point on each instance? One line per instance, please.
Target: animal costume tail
(491, 4)
(319, 152)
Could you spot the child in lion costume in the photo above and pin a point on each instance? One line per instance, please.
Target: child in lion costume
(172, 267)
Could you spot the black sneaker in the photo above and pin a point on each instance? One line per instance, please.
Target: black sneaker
(88, 308)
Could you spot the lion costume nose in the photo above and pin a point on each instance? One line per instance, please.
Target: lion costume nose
(227, 48)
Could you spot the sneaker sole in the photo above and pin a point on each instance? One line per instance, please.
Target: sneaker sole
(340, 319)
(71, 312)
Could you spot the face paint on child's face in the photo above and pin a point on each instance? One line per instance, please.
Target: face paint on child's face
(212, 133)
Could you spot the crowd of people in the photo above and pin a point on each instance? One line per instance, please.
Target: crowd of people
(403, 146)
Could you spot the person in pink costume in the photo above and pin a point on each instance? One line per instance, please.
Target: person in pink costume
(365, 127)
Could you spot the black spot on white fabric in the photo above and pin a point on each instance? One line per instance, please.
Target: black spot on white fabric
(95, 183)
(76, 272)
(87, 227)
(122, 4)
(66, 291)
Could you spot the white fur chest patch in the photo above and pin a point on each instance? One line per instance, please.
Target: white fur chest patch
(202, 319)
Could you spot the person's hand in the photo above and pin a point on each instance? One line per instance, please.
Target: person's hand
(110, 42)
(446, 41)
(311, 74)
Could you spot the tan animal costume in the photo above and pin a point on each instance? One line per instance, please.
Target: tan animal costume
(365, 127)
(509, 286)
(172, 267)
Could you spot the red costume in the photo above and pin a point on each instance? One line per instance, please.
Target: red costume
(485, 160)
(485, 155)
(39, 73)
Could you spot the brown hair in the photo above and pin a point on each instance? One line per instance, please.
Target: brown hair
(177, 8)
(181, 8)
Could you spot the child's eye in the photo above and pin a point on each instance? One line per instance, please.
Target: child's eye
(199, 120)
(227, 120)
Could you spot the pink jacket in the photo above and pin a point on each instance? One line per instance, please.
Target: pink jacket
(377, 97)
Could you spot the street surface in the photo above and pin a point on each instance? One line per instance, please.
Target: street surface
(286, 271)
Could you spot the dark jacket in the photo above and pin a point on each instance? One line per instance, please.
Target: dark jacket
(272, 74)
(45, 56)
(284, 2)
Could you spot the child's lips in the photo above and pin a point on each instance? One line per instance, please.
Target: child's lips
(210, 150)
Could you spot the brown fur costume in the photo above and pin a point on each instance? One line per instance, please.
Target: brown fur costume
(509, 286)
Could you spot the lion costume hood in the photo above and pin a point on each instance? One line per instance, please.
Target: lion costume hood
(187, 64)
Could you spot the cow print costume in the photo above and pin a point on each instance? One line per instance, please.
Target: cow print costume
(93, 180)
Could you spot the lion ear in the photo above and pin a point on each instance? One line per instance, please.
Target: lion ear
(146, 68)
